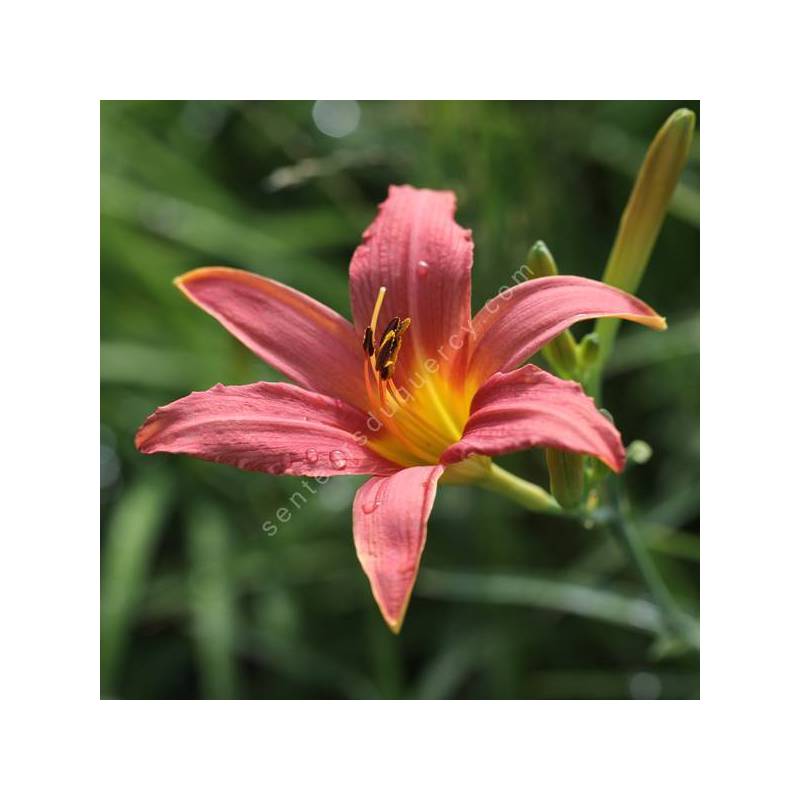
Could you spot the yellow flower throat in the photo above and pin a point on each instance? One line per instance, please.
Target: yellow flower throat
(414, 424)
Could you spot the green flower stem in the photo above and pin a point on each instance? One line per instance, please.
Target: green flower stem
(677, 626)
(527, 494)
(674, 620)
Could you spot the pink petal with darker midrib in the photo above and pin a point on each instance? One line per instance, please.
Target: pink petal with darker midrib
(521, 320)
(390, 520)
(531, 408)
(423, 257)
(264, 427)
(302, 338)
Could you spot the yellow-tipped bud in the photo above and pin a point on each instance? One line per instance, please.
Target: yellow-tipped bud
(566, 477)
(644, 214)
(561, 352)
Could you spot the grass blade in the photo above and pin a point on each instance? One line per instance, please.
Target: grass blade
(212, 601)
(587, 601)
(130, 543)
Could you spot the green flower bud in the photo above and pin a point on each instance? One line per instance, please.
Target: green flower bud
(566, 476)
(540, 261)
(644, 214)
(561, 352)
(589, 349)
(639, 452)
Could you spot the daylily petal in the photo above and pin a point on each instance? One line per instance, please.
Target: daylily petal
(390, 519)
(531, 408)
(522, 319)
(307, 341)
(417, 251)
(264, 427)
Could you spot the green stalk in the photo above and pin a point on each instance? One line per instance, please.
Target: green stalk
(527, 494)
(674, 620)
(677, 627)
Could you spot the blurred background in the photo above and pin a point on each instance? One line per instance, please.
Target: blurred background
(198, 601)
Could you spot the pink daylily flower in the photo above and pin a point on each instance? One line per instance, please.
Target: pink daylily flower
(412, 390)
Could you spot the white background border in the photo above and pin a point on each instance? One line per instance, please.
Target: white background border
(59, 60)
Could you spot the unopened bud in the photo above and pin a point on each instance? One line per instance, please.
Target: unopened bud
(639, 452)
(561, 352)
(566, 476)
(645, 212)
(540, 261)
(589, 349)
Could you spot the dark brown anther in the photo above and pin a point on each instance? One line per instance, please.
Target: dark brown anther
(386, 350)
(389, 348)
(392, 327)
(369, 344)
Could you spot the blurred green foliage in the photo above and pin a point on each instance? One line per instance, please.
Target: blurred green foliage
(197, 599)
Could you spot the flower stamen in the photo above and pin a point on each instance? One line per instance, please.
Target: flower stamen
(389, 349)
(385, 399)
(368, 344)
(377, 308)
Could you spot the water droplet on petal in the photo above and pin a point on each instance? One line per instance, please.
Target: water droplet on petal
(338, 460)
(311, 456)
(422, 268)
(374, 503)
(371, 508)
(280, 463)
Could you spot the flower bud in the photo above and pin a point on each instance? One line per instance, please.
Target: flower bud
(566, 476)
(644, 214)
(561, 352)
(540, 261)
(639, 452)
(589, 349)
